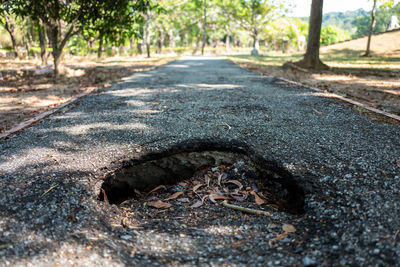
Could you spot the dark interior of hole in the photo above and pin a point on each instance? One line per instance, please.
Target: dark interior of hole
(168, 169)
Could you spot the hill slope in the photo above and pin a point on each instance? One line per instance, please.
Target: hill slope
(382, 45)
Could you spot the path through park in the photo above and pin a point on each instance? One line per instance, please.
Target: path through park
(346, 169)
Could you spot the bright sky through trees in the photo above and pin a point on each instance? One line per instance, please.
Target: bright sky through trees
(302, 8)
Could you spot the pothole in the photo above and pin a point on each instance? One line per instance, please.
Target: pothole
(207, 174)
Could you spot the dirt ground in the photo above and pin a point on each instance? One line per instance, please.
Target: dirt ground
(27, 89)
(378, 89)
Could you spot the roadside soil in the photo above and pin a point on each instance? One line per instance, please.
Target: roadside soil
(28, 89)
(376, 88)
(374, 81)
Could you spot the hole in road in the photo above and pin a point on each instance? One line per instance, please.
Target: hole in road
(205, 172)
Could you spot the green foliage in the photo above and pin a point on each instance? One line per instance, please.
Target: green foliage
(343, 20)
(116, 21)
(77, 45)
(383, 15)
(332, 34)
(285, 29)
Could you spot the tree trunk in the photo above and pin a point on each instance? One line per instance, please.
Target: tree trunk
(131, 44)
(139, 46)
(227, 40)
(100, 49)
(196, 48)
(122, 49)
(311, 58)
(53, 36)
(10, 29)
(256, 41)
(56, 62)
(160, 41)
(171, 38)
(42, 41)
(147, 32)
(371, 28)
(204, 27)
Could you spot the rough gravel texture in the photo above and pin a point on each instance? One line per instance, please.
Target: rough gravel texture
(50, 175)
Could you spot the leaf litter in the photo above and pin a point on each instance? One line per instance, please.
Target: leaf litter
(209, 186)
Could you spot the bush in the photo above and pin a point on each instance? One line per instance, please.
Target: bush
(332, 34)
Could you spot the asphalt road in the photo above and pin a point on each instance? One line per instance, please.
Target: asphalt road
(347, 165)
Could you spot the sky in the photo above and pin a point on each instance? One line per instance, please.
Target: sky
(303, 7)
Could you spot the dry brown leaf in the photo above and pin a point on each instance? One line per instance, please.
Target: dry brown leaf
(105, 198)
(197, 187)
(158, 188)
(184, 200)
(214, 197)
(259, 200)
(159, 204)
(197, 204)
(288, 228)
(175, 195)
(211, 197)
(218, 197)
(239, 198)
(239, 184)
(278, 237)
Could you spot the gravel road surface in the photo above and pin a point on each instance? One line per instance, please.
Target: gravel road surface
(347, 165)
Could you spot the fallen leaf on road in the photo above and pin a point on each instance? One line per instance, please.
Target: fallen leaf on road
(398, 164)
(278, 237)
(288, 228)
(159, 204)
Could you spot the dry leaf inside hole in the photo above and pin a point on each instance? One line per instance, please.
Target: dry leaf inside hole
(288, 228)
(239, 184)
(197, 204)
(259, 200)
(175, 195)
(158, 188)
(159, 204)
(184, 200)
(197, 187)
(214, 197)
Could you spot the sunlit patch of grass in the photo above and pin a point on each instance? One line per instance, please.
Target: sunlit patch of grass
(268, 59)
(334, 58)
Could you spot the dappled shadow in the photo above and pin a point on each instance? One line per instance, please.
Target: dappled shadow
(51, 173)
(24, 94)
